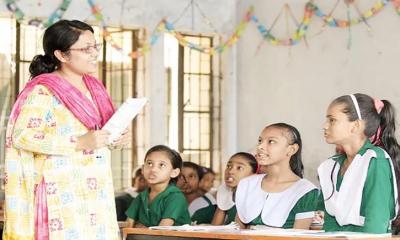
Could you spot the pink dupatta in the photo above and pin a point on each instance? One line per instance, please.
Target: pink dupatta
(81, 107)
(72, 98)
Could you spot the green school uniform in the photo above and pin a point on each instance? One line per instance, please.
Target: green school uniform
(377, 204)
(306, 204)
(206, 214)
(171, 203)
(230, 215)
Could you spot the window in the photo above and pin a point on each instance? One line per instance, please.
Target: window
(124, 79)
(194, 85)
(120, 73)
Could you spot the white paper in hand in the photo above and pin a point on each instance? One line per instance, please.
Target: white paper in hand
(123, 117)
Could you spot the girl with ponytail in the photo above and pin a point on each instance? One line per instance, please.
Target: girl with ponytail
(360, 185)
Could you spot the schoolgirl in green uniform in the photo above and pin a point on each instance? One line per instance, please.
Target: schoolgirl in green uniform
(360, 184)
(162, 204)
(240, 165)
(281, 197)
(201, 206)
(206, 184)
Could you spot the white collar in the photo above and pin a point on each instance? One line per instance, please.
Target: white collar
(132, 191)
(225, 197)
(345, 204)
(251, 200)
(200, 203)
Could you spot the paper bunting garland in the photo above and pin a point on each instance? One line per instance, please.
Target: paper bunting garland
(54, 17)
(164, 25)
(333, 22)
(295, 39)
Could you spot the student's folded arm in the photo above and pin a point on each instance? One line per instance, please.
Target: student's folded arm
(175, 206)
(302, 223)
(35, 129)
(305, 210)
(139, 225)
(166, 222)
(241, 224)
(378, 196)
(131, 222)
(219, 217)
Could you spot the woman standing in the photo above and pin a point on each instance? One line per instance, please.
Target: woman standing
(58, 176)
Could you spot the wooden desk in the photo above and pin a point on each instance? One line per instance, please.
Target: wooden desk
(147, 234)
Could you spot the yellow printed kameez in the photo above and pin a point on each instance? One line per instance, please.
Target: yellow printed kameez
(79, 188)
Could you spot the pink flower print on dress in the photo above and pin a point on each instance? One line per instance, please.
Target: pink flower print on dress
(72, 139)
(51, 188)
(8, 142)
(41, 92)
(34, 122)
(92, 183)
(39, 136)
(88, 152)
(19, 182)
(5, 178)
(93, 219)
(55, 225)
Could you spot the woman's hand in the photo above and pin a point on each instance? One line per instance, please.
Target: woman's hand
(124, 140)
(92, 140)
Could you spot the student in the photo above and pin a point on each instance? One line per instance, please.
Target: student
(360, 184)
(280, 197)
(240, 165)
(201, 207)
(124, 199)
(206, 183)
(162, 204)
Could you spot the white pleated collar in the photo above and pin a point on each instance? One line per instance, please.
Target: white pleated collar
(225, 197)
(274, 208)
(345, 204)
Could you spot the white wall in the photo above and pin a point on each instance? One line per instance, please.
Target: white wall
(295, 85)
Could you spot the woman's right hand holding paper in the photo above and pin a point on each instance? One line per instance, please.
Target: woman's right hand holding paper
(92, 140)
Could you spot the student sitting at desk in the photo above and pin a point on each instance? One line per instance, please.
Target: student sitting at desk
(280, 197)
(239, 166)
(124, 199)
(360, 184)
(206, 184)
(162, 204)
(201, 207)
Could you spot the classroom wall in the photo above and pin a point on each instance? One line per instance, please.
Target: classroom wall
(296, 84)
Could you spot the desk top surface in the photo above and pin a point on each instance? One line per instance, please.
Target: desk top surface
(228, 235)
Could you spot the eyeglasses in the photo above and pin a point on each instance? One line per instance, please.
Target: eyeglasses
(89, 49)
